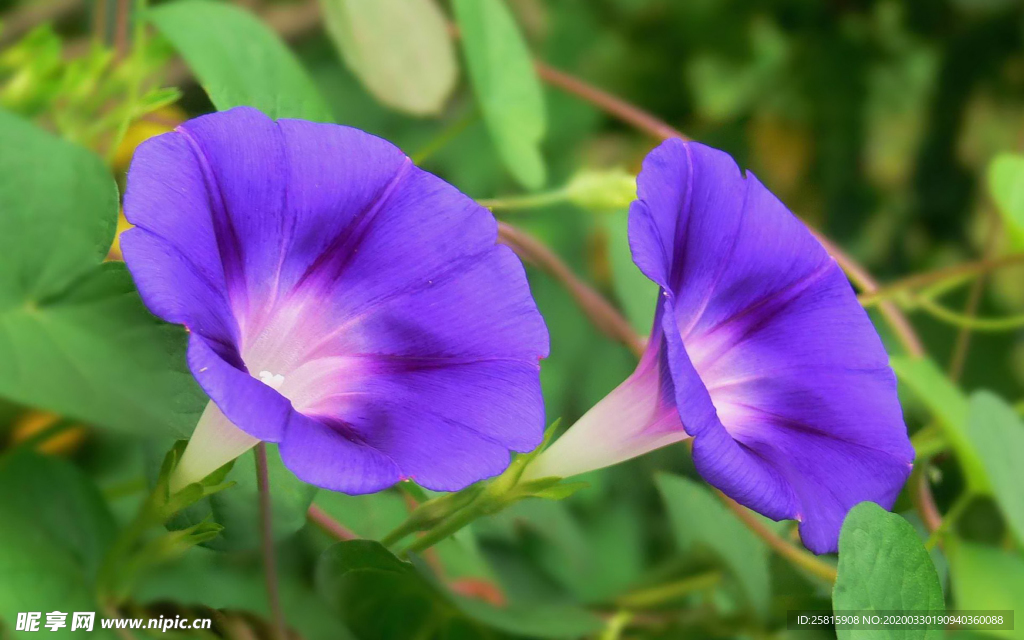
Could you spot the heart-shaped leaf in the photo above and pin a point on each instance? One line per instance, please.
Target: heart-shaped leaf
(74, 335)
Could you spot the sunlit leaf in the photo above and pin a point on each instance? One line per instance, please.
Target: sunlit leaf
(986, 579)
(506, 85)
(1006, 184)
(700, 522)
(74, 336)
(997, 432)
(883, 566)
(239, 60)
(399, 49)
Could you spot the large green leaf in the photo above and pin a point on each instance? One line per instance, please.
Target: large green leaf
(506, 85)
(883, 566)
(239, 60)
(948, 404)
(399, 49)
(997, 433)
(986, 579)
(366, 584)
(74, 335)
(220, 581)
(54, 532)
(702, 523)
(596, 560)
(1006, 184)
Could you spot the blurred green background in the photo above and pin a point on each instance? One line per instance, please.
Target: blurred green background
(874, 121)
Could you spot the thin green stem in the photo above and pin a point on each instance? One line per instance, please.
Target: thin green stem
(267, 540)
(448, 527)
(670, 592)
(959, 507)
(405, 529)
(447, 134)
(937, 310)
(963, 338)
(958, 273)
(531, 201)
(616, 625)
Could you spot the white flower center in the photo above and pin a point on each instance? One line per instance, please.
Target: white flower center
(271, 380)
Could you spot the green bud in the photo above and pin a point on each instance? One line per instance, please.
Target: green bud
(602, 191)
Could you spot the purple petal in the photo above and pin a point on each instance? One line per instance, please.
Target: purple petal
(342, 302)
(778, 372)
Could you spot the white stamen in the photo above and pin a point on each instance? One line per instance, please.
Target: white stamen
(271, 380)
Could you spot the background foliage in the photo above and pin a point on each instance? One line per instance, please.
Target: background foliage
(893, 128)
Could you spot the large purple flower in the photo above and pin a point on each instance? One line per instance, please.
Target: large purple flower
(760, 353)
(340, 301)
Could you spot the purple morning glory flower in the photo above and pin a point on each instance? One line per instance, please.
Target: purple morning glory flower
(760, 352)
(340, 301)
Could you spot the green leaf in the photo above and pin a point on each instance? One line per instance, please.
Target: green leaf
(366, 584)
(986, 579)
(883, 566)
(372, 515)
(506, 86)
(220, 581)
(597, 559)
(1006, 184)
(997, 433)
(74, 335)
(58, 210)
(637, 294)
(237, 508)
(700, 522)
(949, 405)
(239, 60)
(56, 529)
(375, 515)
(399, 49)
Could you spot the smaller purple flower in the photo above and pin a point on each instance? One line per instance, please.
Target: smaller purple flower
(340, 301)
(760, 352)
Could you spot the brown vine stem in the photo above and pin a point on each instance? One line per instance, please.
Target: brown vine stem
(26, 17)
(612, 105)
(604, 316)
(329, 525)
(797, 556)
(267, 540)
